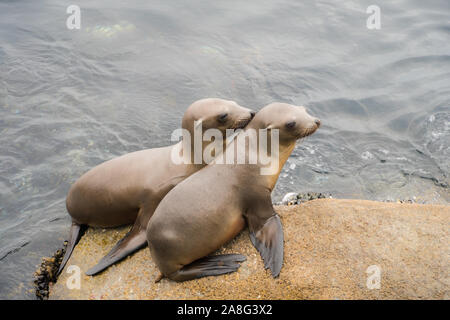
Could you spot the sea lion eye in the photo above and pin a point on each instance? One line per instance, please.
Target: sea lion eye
(290, 124)
(223, 117)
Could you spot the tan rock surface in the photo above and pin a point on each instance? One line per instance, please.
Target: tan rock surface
(329, 244)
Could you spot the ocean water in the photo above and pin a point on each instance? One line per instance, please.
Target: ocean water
(71, 99)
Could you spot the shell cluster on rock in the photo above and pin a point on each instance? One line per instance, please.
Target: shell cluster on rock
(413, 200)
(46, 273)
(293, 198)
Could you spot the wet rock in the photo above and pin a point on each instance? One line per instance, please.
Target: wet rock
(334, 249)
(45, 275)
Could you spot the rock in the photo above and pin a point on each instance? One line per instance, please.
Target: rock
(45, 275)
(329, 246)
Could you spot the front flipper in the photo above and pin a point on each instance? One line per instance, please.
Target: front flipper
(269, 242)
(266, 231)
(133, 241)
(208, 266)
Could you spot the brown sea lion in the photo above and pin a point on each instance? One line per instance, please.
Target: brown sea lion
(128, 189)
(213, 205)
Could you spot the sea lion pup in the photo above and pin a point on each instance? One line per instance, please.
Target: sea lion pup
(213, 205)
(128, 189)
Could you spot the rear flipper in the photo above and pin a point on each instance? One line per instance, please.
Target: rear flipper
(133, 241)
(208, 266)
(76, 232)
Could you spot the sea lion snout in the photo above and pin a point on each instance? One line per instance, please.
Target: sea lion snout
(317, 122)
(307, 124)
(310, 129)
(242, 121)
(251, 113)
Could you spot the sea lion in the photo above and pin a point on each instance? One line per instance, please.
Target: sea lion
(213, 205)
(128, 189)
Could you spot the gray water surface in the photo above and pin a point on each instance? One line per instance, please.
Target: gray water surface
(71, 99)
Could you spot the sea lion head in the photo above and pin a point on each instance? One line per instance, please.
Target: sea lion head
(216, 113)
(211, 113)
(293, 122)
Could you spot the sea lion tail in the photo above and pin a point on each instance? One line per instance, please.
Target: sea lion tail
(76, 232)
